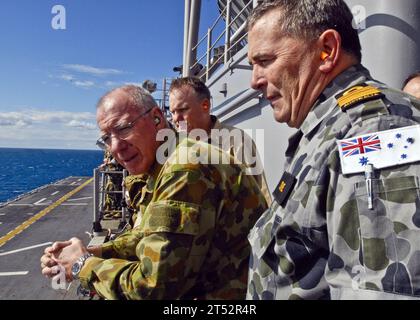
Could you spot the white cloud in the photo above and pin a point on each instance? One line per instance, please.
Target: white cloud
(67, 77)
(82, 124)
(92, 70)
(33, 116)
(48, 129)
(84, 84)
(16, 119)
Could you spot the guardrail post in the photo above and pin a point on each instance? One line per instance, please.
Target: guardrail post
(227, 31)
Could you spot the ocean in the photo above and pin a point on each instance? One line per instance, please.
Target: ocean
(22, 170)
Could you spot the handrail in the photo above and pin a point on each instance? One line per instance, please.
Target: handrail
(231, 41)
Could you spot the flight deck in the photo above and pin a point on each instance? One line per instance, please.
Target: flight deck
(29, 224)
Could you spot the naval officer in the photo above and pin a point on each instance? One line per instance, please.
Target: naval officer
(345, 223)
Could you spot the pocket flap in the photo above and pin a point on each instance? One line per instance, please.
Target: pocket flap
(171, 216)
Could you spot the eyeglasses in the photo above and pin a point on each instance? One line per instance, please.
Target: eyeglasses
(121, 132)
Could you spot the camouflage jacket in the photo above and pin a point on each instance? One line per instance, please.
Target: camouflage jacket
(190, 240)
(240, 150)
(326, 243)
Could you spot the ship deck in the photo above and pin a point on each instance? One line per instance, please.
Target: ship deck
(29, 224)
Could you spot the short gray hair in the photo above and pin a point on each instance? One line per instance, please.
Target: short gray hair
(308, 19)
(139, 97)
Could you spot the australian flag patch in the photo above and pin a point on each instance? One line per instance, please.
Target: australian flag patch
(381, 149)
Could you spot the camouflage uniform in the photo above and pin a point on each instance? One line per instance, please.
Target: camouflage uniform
(325, 243)
(262, 182)
(113, 183)
(190, 238)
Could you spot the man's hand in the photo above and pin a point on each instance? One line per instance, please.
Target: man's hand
(48, 260)
(69, 254)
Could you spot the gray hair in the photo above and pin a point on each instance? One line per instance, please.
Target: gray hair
(138, 96)
(308, 19)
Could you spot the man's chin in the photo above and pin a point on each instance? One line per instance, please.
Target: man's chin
(280, 117)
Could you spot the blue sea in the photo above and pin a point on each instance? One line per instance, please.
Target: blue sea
(22, 170)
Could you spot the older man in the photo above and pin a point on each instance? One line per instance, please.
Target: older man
(345, 222)
(190, 237)
(189, 104)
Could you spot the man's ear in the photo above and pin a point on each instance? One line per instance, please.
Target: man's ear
(329, 46)
(157, 114)
(205, 104)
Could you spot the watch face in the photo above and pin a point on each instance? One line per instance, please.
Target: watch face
(75, 268)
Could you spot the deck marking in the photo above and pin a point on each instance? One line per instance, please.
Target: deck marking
(16, 273)
(54, 193)
(27, 248)
(39, 201)
(2, 214)
(84, 198)
(42, 213)
(73, 183)
(74, 204)
(79, 180)
(20, 204)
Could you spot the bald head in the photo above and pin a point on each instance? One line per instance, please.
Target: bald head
(129, 95)
(412, 85)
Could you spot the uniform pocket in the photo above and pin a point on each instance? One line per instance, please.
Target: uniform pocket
(390, 235)
(171, 216)
(264, 230)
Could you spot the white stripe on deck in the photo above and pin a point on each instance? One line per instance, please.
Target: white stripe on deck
(79, 180)
(84, 198)
(27, 248)
(16, 273)
(54, 193)
(2, 214)
(39, 201)
(20, 204)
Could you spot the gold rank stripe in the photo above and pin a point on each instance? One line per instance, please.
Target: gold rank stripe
(357, 94)
(27, 223)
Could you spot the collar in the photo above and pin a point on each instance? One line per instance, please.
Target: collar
(326, 102)
(215, 123)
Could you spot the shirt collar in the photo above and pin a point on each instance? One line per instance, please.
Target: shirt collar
(326, 102)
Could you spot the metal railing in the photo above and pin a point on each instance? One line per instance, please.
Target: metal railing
(99, 194)
(218, 52)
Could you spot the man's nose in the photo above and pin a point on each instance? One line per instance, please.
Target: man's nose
(117, 144)
(177, 117)
(258, 81)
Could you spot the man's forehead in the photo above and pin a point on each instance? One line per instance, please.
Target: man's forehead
(177, 106)
(182, 92)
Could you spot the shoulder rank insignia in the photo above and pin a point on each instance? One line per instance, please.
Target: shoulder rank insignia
(382, 149)
(284, 188)
(357, 94)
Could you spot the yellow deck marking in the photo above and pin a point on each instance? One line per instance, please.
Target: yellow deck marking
(39, 215)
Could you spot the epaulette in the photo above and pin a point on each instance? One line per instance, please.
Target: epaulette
(356, 95)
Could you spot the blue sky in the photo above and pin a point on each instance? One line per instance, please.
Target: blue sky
(50, 80)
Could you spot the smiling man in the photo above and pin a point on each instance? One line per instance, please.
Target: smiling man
(345, 221)
(189, 240)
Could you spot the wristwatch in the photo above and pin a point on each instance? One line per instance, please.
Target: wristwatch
(77, 266)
